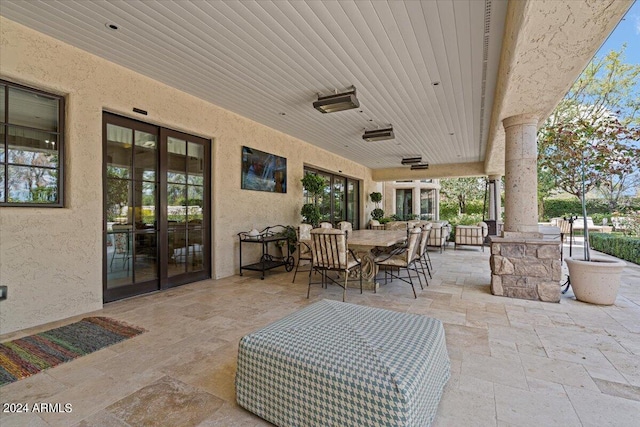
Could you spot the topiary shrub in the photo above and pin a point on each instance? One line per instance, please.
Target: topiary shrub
(377, 214)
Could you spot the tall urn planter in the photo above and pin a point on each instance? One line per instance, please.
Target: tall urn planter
(595, 281)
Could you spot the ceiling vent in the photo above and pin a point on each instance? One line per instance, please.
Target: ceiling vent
(411, 160)
(337, 102)
(420, 166)
(378, 134)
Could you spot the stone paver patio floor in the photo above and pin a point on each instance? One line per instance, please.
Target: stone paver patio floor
(514, 362)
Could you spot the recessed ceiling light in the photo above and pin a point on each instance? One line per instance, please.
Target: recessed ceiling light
(283, 114)
(370, 120)
(450, 133)
(436, 83)
(111, 26)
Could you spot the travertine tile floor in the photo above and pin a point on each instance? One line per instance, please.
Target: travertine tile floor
(514, 362)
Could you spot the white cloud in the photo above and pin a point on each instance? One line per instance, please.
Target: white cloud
(637, 25)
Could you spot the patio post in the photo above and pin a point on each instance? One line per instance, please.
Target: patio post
(521, 176)
(494, 205)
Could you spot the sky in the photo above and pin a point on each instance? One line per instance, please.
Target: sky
(627, 31)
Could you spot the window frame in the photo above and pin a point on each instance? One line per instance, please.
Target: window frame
(60, 169)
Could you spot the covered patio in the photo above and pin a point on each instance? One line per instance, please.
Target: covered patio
(514, 362)
(464, 85)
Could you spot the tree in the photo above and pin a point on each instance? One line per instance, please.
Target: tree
(594, 131)
(601, 149)
(462, 189)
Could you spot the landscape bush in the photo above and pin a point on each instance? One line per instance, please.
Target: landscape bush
(623, 247)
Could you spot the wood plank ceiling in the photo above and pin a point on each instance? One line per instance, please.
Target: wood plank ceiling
(428, 68)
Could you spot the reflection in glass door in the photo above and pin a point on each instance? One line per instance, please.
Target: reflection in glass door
(156, 208)
(185, 201)
(130, 208)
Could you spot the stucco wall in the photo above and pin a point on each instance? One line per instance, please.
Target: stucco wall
(51, 259)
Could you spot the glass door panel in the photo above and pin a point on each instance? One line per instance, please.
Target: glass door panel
(352, 203)
(130, 208)
(187, 230)
(339, 199)
(404, 203)
(324, 199)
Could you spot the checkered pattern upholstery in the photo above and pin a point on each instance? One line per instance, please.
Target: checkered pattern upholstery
(339, 364)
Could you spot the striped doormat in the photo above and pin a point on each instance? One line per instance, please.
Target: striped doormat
(29, 355)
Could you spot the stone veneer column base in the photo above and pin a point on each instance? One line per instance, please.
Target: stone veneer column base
(527, 268)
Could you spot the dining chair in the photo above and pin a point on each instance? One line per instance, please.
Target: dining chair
(122, 245)
(403, 258)
(423, 253)
(345, 225)
(329, 252)
(303, 245)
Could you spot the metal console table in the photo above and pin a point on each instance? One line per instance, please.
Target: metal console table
(273, 235)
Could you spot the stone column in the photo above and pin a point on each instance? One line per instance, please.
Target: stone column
(521, 176)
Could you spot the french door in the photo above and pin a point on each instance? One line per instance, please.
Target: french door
(156, 208)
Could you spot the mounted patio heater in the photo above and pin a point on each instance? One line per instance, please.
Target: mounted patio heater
(420, 166)
(337, 102)
(411, 160)
(378, 134)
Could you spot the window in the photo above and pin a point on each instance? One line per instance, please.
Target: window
(427, 203)
(339, 199)
(31, 147)
(404, 204)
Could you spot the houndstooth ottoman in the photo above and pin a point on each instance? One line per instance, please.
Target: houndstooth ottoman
(339, 364)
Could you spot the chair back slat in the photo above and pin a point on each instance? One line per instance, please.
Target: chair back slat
(412, 243)
(329, 248)
(424, 238)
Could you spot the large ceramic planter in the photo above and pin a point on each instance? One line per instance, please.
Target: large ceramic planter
(596, 281)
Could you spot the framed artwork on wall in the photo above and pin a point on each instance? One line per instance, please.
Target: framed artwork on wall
(263, 171)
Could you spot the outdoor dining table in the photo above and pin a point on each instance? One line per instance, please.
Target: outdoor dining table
(363, 242)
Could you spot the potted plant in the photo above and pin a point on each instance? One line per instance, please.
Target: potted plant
(377, 213)
(292, 238)
(314, 185)
(594, 280)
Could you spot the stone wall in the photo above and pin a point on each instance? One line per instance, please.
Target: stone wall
(526, 268)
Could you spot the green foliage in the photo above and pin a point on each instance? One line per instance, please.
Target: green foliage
(396, 217)
(623, 247)
(377, 214)
(461, 190)
(376, 197)
(292, 237)
(449, 209)
(314, 184)
(310, 214)
(558, 208)
(385, 220)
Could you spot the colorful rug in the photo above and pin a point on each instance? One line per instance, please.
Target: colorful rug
(29, 355)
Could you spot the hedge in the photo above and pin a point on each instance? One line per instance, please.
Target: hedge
(596, 208)
(623, 247)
